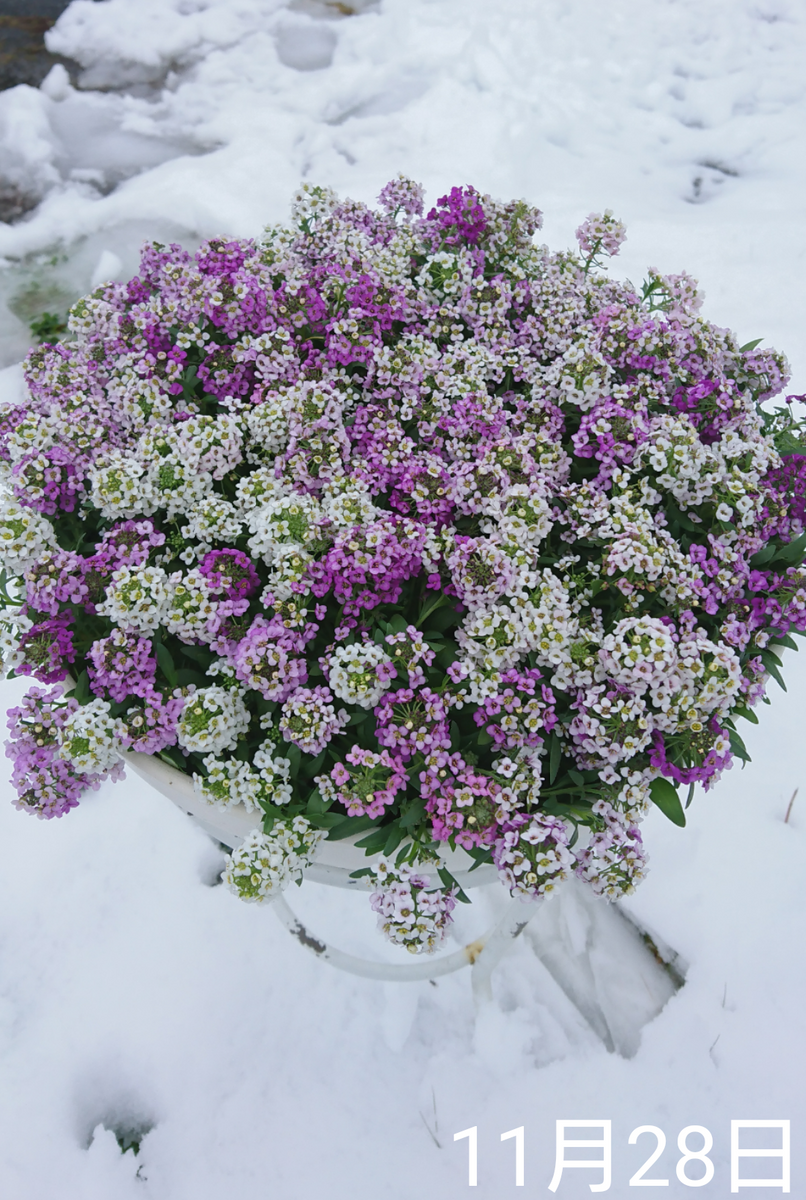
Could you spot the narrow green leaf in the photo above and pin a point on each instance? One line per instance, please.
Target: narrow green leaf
(81, 691)
(665, 796)
(312, 766)
(348, 826)
(737, 746)
(331, 821)
(184, 678)
(316, 803)
(771, 666)
(199, 654)
(323, 820)
(449, 882)
(750, 346)
(763, 555)
(413, 815)
(555, 754)
(166, 664)
(394, 839)
(374, 842)
(793, 551)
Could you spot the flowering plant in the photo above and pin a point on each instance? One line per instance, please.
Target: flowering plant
(401, 525)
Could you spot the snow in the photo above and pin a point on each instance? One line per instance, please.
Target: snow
(133, 991)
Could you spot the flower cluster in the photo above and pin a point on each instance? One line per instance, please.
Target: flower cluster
(395, 523)
(266, 863)
(409, 913)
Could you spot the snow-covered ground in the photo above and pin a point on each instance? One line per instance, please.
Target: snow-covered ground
(133, 992)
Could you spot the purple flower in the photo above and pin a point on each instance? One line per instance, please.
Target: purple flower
(231, 572)
(459, 217)
(264, 665)
(131, 542)
(122, 665)
(150, 725)
(48, 648)
(46, 784)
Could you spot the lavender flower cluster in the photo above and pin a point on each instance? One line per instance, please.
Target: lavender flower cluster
(397, 523)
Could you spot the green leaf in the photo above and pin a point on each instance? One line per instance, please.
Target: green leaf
(199, 654)
(398, 623)
(555, 754)
(173, 757)
(325, 820)
(312, 766)
(374, 842)
(347, 826)
(358, 718)
(394, 839)
(747, 714)
(762, 556)
(443, 619)
(294, 756)
(771, 666)
(81, 691)
(786, 641)
(316, 803)
(449, 882)
(185, 677)
(456, 737)
(413, 815)
(577, 778)
(737, 746)
(793, 551)
(166, 664)
(750, 346)
(447, 656)
(665, 796)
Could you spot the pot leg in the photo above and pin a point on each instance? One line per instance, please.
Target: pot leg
(424, 967)
(497, 943)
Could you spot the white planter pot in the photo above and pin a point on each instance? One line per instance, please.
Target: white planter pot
(333, 861)
(600, 958)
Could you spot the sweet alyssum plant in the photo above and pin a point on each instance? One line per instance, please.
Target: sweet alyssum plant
(405, 526)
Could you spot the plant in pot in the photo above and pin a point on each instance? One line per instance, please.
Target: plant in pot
(399, 529)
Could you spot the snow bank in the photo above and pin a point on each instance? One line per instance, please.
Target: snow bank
(136, 995)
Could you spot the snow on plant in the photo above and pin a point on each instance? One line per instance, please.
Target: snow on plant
(401, 525)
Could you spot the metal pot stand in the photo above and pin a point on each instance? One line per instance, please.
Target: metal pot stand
(616, 974)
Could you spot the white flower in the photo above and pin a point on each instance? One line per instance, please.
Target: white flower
(267, 863)
(137, 598)
(24, 536)
(88, 739)
(213, 519)
(189, 608)
(175, 485)
(352, 672)
(117, 487)
(212, 719)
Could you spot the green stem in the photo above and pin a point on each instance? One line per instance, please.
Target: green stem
(427, 612)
